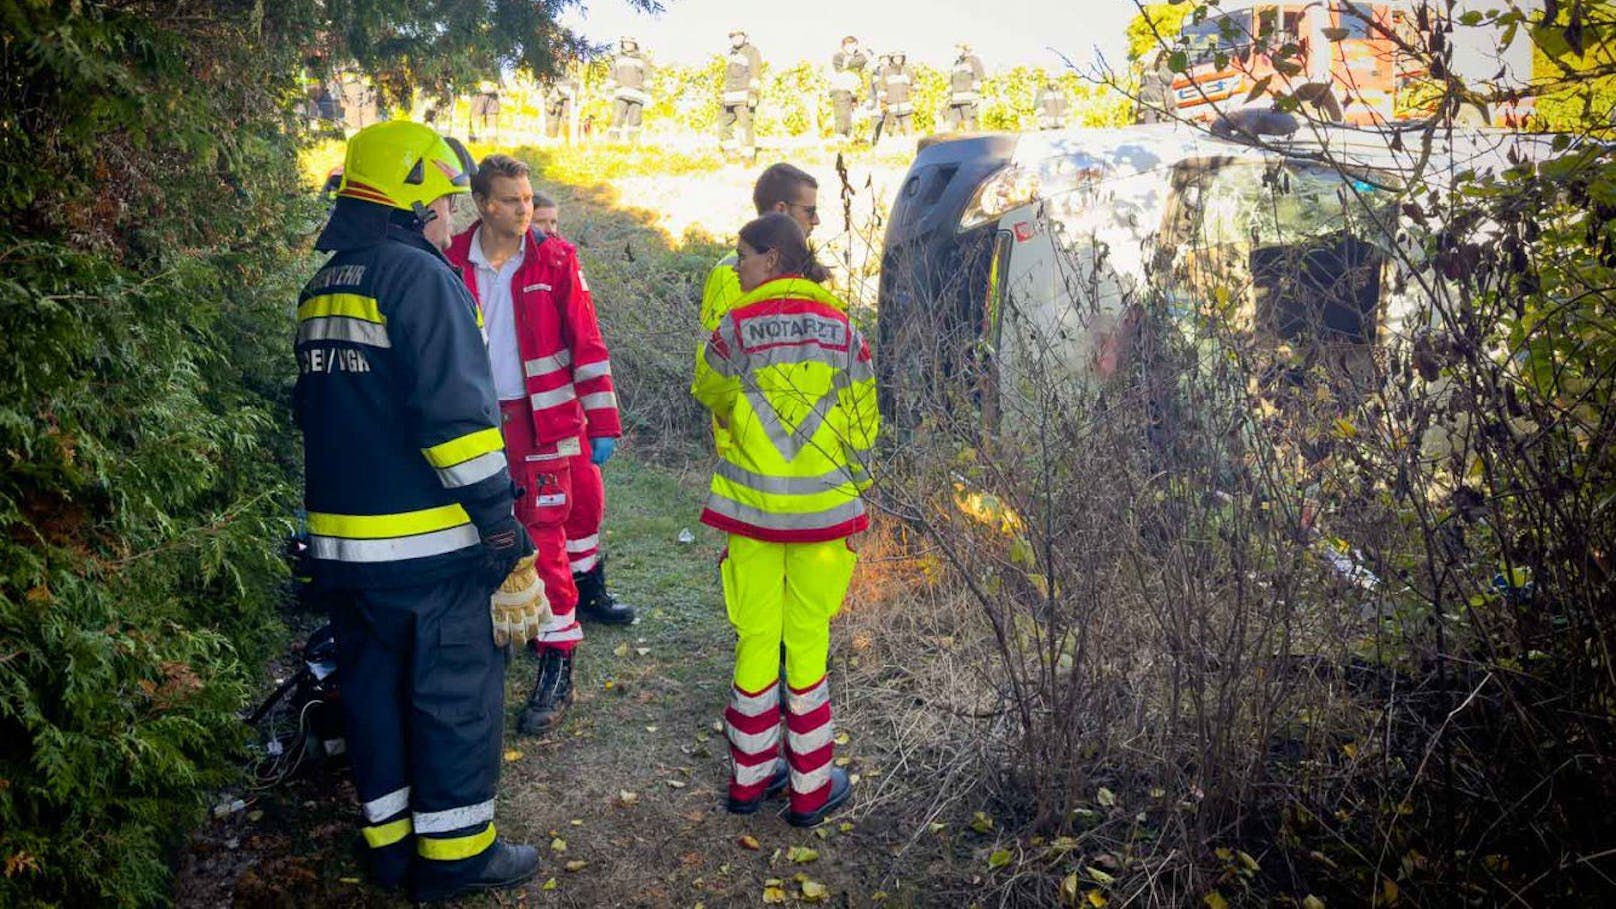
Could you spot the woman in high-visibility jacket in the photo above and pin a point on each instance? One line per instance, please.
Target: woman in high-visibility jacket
(791, 378)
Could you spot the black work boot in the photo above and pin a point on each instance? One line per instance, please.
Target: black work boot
(777, 784)
(507, 866)
(595, 602)
(552, 693)
(840, 788)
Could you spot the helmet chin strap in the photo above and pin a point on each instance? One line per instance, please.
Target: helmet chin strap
(423, 214)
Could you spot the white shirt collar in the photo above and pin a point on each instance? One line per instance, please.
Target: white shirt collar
(481, 261)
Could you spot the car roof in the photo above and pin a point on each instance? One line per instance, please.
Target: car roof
(1125, 150)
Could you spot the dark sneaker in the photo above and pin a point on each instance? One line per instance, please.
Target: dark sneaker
(552, 694)
(777, 784)
(840, 789)
(508, 866)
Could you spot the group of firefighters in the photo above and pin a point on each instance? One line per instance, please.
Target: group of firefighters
(456, 401)
(883, 85)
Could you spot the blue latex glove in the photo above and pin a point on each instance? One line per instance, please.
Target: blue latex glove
(601, 449)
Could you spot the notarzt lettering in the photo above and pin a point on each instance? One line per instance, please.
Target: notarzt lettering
(802, 328)
(331, 359)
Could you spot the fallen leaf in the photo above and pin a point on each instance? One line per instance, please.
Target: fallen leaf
(255, 816)
(651, 729)
(748, 841)
(627, 798)
(1096, 899)
(1100, 877)
(853, 779)
(621, 649)
(1106, 798)
(349, 880)
(842, 738)
(845, 827)
(802, 855)
(1068, 890)
(642, 651)
(676, 784)
(511, 754)
(999, 858)
(843, 761)
(1312, 902)
(549, 884)
(774, 894)
(814, 891)
(981, 822)
(576, 865)
(1215, 900)
(558, 845)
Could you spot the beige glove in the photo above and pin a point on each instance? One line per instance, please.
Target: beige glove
(519, 606)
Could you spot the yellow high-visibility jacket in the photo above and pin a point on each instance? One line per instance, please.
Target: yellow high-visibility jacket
(718, 296)
(792, 379)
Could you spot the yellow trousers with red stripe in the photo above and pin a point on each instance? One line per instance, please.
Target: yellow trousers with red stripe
(784, 593)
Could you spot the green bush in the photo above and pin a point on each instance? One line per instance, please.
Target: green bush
(145, 480)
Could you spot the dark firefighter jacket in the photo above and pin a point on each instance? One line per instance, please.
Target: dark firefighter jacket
(403, 457)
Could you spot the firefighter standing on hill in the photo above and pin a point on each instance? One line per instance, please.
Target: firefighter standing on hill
(894, 86)
(965, 89)
(1051, 105)
(791, 378)
(409, 514)
(559, 98)
(848, 68)
(553, 378)
(630, 74)
(743, 84)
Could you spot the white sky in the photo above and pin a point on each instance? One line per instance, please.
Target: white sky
(1004, 32)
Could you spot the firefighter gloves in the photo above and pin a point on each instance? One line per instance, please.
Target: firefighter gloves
(520, 607)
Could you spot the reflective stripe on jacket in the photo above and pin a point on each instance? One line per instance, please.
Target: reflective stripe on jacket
(403, 457)
(567, 370)
(792, 378)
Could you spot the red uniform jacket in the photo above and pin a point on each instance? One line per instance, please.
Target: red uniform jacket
(565, 364)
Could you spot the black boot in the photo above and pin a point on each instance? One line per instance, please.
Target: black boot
(595, 602)
(840, 788)
(552, 693)
(508, 866)
(777, 784)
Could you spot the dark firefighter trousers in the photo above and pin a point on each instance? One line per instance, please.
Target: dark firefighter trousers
(423, 694)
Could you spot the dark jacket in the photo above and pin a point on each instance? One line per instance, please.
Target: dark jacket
(403, 458)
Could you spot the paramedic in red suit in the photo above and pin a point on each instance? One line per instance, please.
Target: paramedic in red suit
(552, 374)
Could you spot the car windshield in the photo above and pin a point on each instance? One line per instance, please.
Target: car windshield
(1226, 34)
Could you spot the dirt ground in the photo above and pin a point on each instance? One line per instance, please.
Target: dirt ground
(624, 798)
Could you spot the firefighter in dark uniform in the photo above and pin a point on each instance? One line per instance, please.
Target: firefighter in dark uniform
(559, 99)
(743, 83)
(1051, 106)
(848, 72)
(630, 74)
(895, 86)
(965, 89)
(410, 514)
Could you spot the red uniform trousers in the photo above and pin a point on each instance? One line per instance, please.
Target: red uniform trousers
(561, 490)
(588, 510)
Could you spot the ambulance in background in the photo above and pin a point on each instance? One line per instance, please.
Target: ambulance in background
(1371, 80)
